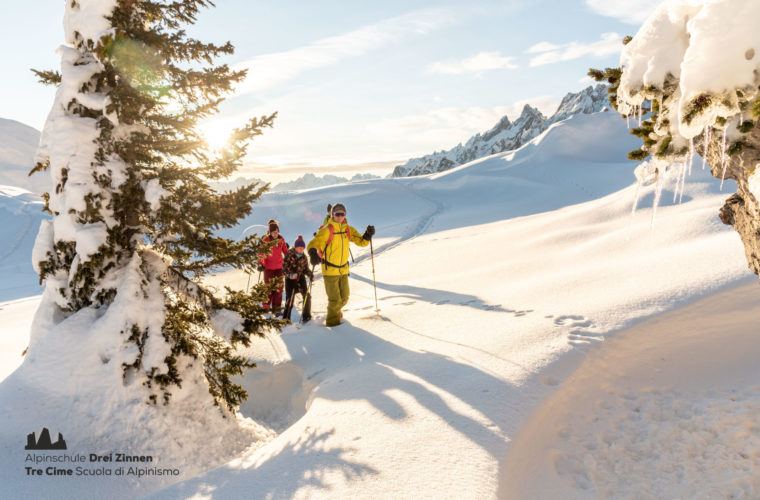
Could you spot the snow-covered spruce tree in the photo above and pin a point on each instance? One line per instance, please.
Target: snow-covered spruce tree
(134, 219)
(690, 80)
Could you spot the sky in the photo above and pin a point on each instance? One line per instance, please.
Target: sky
(364, 82)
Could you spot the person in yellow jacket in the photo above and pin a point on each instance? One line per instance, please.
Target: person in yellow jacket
(330, 248)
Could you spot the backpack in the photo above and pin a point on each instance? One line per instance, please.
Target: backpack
(332, 234)
(329, 240)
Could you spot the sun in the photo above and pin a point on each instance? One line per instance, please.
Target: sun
(215, 133)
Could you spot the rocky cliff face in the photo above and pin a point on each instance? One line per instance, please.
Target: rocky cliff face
(742, 210)
(506, 135)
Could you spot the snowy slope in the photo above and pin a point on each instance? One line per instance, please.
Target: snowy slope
(495, 280)
(18, 144)
(486, 304)
(20, 216)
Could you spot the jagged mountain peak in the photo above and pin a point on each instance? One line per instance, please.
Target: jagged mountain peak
(529, 110)
(506, 135)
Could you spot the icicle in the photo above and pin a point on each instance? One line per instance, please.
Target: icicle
(683, 183)
(723, 161)
(636, 198)
(628, 120)
(691, 153)
(640, 106)
(681, 169)
(706, 134)
(680, 183)
(657, 195)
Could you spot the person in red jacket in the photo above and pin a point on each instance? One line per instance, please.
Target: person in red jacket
(271, 264)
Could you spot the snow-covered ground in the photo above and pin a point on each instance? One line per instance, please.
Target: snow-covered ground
(496, 281)
(667, 409)
(20, 216)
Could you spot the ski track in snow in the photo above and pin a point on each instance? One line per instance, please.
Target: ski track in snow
(20, 238)
(422, 224)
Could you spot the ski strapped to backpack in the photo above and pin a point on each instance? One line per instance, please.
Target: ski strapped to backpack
(329, 240)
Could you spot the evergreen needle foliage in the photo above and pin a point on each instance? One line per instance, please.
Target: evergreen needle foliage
(148, 188)
(655, 133)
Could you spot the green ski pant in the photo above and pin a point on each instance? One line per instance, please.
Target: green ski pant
(337, 297)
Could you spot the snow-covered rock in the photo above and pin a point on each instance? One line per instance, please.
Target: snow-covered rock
(506, 135)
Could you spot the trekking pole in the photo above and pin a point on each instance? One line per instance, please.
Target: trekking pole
(247, 286)
(374, 283)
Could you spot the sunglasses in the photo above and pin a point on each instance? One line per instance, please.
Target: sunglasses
(339, 214)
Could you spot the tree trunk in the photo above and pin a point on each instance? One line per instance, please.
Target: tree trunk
(741, 210)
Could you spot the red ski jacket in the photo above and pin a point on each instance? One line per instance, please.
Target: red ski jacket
(278, 251)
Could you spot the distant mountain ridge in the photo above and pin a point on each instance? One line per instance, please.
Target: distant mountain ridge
(308, 181)
(506, 135)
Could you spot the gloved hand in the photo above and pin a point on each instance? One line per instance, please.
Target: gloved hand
(368, 233)
(314, 257)
(260, 268)
(329, 208)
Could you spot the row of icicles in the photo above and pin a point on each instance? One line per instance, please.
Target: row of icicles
(683, 166)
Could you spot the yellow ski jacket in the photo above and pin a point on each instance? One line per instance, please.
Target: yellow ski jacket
(335, 255)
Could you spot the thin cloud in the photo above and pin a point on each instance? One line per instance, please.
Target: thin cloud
(624, 10)
(458, 124)
(269, 70)
(477, 64)
(610, 43)
(542, 47)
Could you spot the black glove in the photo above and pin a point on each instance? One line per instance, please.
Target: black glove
(314, 257)
(368, 233)
(329, 208)
(260, 268)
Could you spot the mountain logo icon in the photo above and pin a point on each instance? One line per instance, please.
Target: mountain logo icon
(44, 442)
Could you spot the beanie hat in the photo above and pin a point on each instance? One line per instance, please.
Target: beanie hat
(273, 225)
(338, 207)
(299, 242)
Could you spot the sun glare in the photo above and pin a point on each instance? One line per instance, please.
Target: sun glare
(215, 133)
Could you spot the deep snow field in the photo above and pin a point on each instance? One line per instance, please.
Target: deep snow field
(534, 339)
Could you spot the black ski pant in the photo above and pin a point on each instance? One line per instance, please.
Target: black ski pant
(292, 287)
